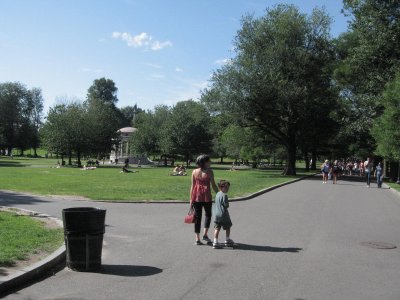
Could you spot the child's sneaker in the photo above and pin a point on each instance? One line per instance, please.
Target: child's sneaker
(216, 245)
(207, 240)
(229, 242)
(198, 243)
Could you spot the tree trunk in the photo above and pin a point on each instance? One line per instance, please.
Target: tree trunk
(398, 172)
(34, 152)
(291, 149)
(70, 158)
(9, 150)
(307, 161)
(314, 160)
(222, 159)
(78, 154)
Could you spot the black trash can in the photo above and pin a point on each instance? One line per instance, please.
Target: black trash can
(84, 229)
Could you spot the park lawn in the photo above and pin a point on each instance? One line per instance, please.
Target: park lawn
(394, 185)
(107, 183)
(23, 236)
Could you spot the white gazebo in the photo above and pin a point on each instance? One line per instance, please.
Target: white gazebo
(121, 151)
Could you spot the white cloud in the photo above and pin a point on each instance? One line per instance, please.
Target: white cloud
(157, 45)
(224, 61)
(177, 69)
(142, 40)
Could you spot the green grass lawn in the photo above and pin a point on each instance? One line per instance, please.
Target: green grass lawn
(107, 183)
(21, 236)
(393, 185)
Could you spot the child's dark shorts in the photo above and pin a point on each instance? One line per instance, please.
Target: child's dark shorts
(218, 225)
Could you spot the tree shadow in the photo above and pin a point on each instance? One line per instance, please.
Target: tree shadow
(258, 248)
(10, 198)
(12, 164)
(129, 271)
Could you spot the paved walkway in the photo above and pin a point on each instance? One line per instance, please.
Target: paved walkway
(301, 241)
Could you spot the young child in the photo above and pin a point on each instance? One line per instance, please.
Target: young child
(221, 214)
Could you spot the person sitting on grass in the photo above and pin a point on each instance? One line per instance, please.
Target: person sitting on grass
(125, 170)
(179, 171)
(222, 218)
(86, 168)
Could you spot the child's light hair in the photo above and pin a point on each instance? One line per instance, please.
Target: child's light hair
(222, 183)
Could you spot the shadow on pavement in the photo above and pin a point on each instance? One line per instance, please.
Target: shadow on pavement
(10, 198)
(247, 247)
(129, 271)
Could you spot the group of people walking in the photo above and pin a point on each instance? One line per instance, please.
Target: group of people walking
(362, 168)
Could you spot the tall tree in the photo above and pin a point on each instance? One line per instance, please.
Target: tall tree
(129, 114)
(103, 90)
(36, 99)
(187, 130)
(12, 104)
(149, 139)
(54, 133)
(271, 82)
(104, 117)
(370, 57)
(67, 130)
(386, 129)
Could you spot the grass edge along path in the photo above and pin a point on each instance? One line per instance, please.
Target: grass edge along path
(394, 186)
(22, 237)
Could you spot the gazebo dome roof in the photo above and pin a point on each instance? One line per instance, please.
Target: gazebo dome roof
(127, 130)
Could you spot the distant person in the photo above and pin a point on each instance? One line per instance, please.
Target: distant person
(126, 170)
(139, 163)
(97, 163)
(222, 218)
(335, 171)
(362, 171)
(200, 196)
(126, 162)
(325, 168)
(368, 171)
(379, 175)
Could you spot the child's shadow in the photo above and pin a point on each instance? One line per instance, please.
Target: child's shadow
(247, 247)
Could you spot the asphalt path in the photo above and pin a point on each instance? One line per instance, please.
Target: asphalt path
(302, 241)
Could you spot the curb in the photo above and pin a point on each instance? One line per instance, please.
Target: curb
(243, 198)
(394, 191)
(30, 273)
(271, 188)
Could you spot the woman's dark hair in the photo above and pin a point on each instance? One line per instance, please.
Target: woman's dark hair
(202, 160)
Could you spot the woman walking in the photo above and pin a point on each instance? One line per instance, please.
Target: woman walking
(325, 168)
(200, 196)
(335, 171)
(379, 174)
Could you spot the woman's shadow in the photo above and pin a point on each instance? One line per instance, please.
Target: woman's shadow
(257, 248)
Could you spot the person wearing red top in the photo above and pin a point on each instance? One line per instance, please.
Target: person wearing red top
(200, 195)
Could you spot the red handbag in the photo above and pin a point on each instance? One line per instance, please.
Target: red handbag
(190, 217)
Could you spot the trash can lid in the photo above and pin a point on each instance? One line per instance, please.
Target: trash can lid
(83, 209)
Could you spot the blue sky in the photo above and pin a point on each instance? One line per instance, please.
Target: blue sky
(156, 51)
